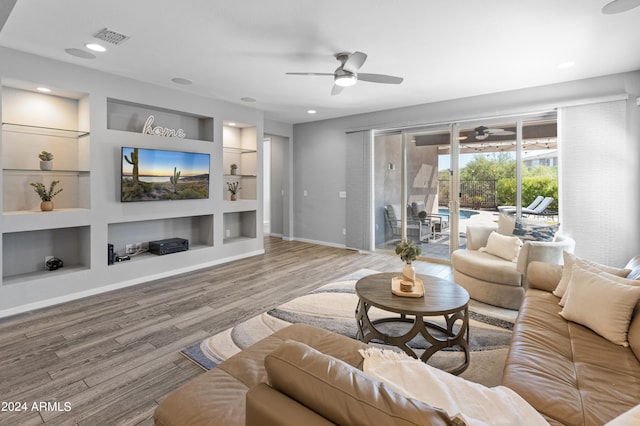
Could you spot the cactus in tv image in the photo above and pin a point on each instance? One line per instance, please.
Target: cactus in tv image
(174, 180)
(134, 162)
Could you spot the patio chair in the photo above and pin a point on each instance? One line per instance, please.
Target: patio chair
(531, 206)
(437, 222)
(416, 229)
(538, 210)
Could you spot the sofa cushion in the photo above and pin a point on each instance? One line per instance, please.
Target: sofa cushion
(486, 267)
(568, 261)
(503, 246)
(600, 303)
(341, 393)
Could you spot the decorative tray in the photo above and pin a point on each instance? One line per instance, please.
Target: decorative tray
(418, 288)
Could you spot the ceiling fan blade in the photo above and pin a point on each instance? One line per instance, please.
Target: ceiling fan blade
(355, 61)
(310, 73)
(336, 90)
(380, 78)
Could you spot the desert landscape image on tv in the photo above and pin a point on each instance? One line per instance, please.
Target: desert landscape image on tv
(155, 175)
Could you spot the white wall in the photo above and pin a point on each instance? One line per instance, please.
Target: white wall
(319, 149)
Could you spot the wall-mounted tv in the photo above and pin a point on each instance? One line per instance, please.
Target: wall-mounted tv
(156, 175)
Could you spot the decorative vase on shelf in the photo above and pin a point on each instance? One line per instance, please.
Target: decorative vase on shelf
(234, 197)
(46, 165)
(46, 206)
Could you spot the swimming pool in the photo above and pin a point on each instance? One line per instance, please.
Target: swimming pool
(464, 214)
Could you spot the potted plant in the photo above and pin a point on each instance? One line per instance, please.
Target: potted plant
(46, 195)
(233, 188)
(408, 252)
(46, 160)
(234, 167)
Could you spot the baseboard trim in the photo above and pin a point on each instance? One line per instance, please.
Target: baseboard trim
(29, 307)
(320, 243)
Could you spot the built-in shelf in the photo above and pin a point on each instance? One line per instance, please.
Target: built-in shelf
(156, 121)
(46, 172)
(239, 226)
(24, 253)
(43, 131)
(198, 230)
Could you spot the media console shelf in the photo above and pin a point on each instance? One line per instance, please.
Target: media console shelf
(197, 229)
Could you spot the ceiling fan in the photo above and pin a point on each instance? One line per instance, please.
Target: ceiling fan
(483, 132)
(347, 73)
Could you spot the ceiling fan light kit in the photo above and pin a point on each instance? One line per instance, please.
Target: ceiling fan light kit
(346, 79)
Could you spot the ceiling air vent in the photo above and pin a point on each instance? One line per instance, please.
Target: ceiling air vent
(111, 36)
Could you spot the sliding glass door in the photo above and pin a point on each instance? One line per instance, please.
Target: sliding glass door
(430, 183)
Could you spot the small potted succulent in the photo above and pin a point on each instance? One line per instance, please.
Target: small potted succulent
(233, 188)
(46, 195)
(46, 160)
(408, 252)
(234, 168)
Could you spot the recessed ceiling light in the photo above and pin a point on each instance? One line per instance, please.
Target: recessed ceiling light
(80, 53)
(567, 64)
(43, 89)
(95, 47)
(232, 123)
(247, 99)
(180, 80)
(311, 111)
(619, 6)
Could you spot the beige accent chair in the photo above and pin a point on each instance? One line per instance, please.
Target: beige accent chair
(494, 280)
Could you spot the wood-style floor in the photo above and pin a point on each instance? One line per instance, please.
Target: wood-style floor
(109, 359)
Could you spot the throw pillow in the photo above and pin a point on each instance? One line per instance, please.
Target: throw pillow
(503, 246)
(569, 260)
(506, 223)
(601, 304)
(471, 402)
(535, 231)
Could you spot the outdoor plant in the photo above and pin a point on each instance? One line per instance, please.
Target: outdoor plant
(46, 195)
(45, 156)
(233, 187)
(408, 251)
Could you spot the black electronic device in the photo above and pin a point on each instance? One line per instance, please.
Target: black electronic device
(168, 246)
(53, 264)
(111, 255)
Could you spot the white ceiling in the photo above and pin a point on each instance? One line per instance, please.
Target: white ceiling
(243, 48)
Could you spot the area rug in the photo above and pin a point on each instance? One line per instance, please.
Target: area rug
(332, 307)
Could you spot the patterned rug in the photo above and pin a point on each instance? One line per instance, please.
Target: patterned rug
(332, 307)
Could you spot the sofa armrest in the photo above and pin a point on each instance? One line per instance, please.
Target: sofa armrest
(543, 276)
(267, 406)
(478, 235)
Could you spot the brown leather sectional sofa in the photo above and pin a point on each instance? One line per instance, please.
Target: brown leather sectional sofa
(564, 370)
(567, 372)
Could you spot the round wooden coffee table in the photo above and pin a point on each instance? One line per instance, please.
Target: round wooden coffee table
(441, 298)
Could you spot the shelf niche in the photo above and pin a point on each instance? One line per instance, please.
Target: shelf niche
(239, 226)
(131, 117)
(239, 147)
(23, 257)
(197, 229)
(35, 122)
